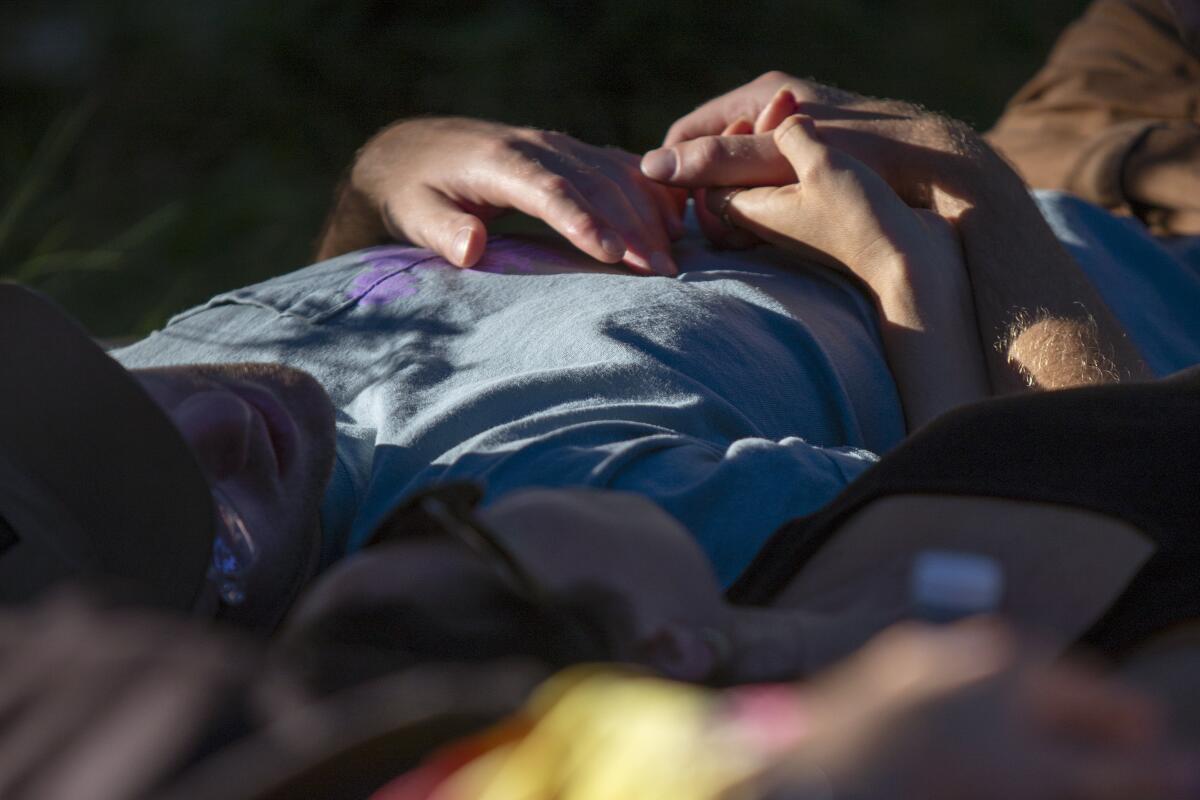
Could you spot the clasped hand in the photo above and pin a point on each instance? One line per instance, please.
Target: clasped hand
(832, 190)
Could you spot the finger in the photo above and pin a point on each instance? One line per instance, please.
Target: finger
(782, 106)
(718, 227)
(631, 212)
(674, 204)
(668, 204)
(809, 155)
(556, 201)
(435, 221)
(710, 224)
(704, 121)
(762, 213)
(707, 120)
(709, 206)
(798, 142)
(669, 201)
(739, 127)
(720, 161)
(712, 117)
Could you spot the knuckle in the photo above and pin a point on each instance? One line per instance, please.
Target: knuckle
(816, 168)
(554, 187)
(703, 152)
(524, 133)
(773, 76)
(537, 137)
(549, 140)
(806, 92)
(580, 224)
(501, 148)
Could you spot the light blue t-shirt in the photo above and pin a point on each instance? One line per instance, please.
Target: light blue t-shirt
(745, 392)
(738, 395)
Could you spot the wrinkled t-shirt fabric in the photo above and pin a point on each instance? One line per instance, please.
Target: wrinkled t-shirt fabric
(744, 392)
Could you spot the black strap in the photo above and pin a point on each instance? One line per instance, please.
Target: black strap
(1129, 451)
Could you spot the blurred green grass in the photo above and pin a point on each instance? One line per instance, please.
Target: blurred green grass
(154, 153)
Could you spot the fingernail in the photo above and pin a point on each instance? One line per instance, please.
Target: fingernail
(462, 243)
(659, 164)
(612, 243)
(662, 264)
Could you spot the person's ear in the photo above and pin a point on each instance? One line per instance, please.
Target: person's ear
(678, 651)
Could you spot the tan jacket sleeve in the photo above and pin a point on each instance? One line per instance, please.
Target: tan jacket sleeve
(1119, 79)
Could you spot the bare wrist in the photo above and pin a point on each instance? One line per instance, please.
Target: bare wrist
(901, 280)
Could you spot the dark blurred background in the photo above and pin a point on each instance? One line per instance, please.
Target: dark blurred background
(154, 152)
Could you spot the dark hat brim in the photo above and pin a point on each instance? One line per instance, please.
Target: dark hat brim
(96, 482)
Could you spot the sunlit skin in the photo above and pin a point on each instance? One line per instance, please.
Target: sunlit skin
(264, 434)
(437, 182)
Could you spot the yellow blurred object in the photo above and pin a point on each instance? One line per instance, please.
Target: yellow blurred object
(594, 733)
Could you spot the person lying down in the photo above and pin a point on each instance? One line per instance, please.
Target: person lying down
(717, 426)
(908, 272)
(735, 392)
(766, 332)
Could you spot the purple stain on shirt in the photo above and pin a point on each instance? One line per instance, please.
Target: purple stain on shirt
(369, 289)
(388, 275)
(509, 256)
(389, 270)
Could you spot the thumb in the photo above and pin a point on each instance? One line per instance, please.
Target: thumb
(430, 219)
(798, 141)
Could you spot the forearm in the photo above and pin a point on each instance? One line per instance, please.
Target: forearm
(929, 334)
(1041, 321)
